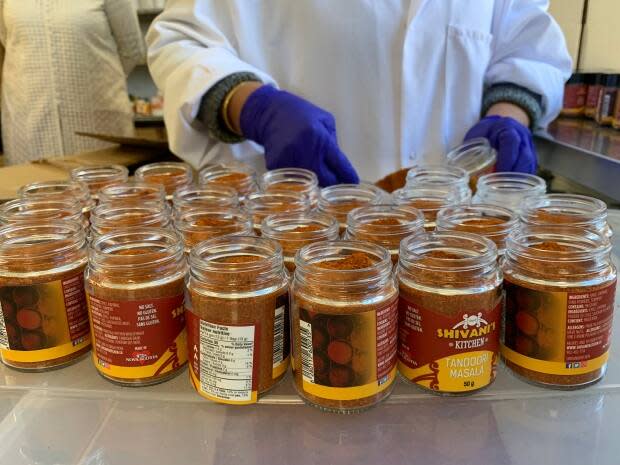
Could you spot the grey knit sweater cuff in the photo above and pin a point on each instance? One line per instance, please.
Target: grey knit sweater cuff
(529, 101)
(211, 104)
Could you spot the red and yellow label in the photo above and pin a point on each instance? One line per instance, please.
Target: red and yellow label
(558, 333)
(448, 353)
(138, 339)
(224, 360)
(44, 322)
(348, 357)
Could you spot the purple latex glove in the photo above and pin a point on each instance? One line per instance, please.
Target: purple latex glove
(513, 142)
(295, 134)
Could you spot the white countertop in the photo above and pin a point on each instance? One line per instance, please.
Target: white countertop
(73, 416)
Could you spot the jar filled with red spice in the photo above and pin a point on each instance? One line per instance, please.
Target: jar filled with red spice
(560, 287)
(428, 201)
(97, 177)
(132, 192)
(65, 190)
(292, 179)
(237, 318)
(386, 225)
(198, 197)
(238, 176)
(295, 230)
(575, 94)
(259, 205)
(490, 221)
(339, 200)
(200, 225)
(442, 177)
(44, 318)
(566, 209)
(41, 210)
(508, 189)
(476, 157)
(595, 87)
(171, 175)
(344, 325)
(135, 284)
(106, 218)
(449, 314)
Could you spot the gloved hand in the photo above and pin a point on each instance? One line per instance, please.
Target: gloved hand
(295, 134)
(513, 142)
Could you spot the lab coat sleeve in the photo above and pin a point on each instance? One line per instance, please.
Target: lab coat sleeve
(188, 54)
(529, 50)
(125, 27)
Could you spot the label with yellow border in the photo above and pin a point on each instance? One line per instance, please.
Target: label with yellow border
(558, 333)
(138, 339)
(348, 357)
(448, 353)
(224, 360)
(44, 322)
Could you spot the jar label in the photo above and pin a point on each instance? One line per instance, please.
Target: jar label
(575, 97)
(348, 357)
(558, 333)
(448, 353)
(138, 339)
(44, 322)
(281, 337)
(224, 360)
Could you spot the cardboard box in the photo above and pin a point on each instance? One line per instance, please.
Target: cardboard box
(600, 37)
(569, 15)
(148, 147)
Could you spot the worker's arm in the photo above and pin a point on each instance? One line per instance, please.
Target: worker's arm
(524, 83)
(188, 55)
(126, 31)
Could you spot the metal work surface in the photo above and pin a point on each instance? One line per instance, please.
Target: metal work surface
(73, 416)
(583, 152)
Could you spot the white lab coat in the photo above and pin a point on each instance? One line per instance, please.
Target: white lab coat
(404, 78)
(64, 71)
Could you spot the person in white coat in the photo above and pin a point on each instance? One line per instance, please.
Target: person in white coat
(65, 70)
(405, 80)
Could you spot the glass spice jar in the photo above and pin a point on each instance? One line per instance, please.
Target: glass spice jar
(237, 318)
(385, 225)
(566, 209)
(428, 201)
(171, 175)
(193, 197)
(238, 176)
(295, 230)
(344, 317)
(449, 312)
(106, 218)
(44, 318)
(340, 199)
(490, 221)
(259, 205)
(200, 225)
(97, 177)
(508, 189)
(132, 192)
(135, 284)
(560, 287)
(292, 179)
(476, 157)
(41, 210)
(440, 176)
(70, 190)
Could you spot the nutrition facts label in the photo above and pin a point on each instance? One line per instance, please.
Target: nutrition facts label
(227, 361)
